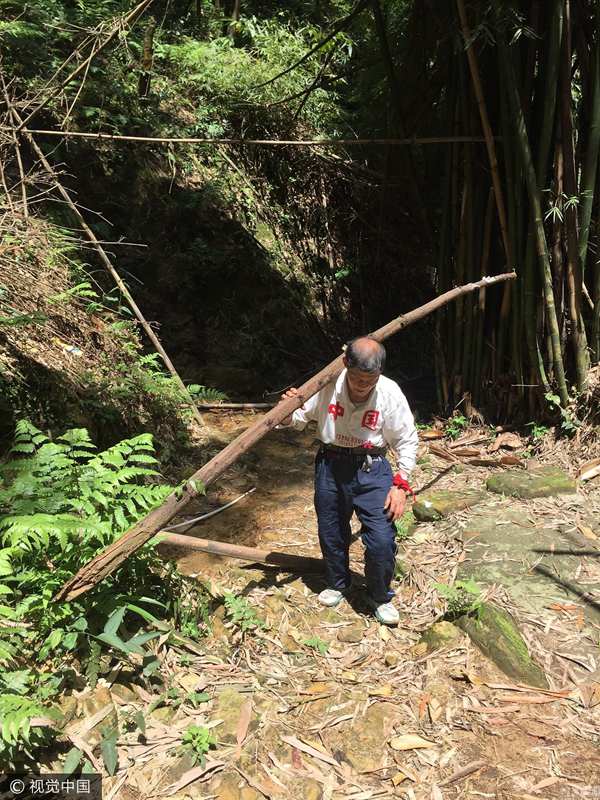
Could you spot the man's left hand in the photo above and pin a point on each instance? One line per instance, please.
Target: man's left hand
(394, 503)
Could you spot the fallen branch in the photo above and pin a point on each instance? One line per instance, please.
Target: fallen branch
(105, 259)
(109, 559)
(286, 561)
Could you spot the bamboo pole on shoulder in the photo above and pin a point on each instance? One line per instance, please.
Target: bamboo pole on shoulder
(103, 258)
(115, 554)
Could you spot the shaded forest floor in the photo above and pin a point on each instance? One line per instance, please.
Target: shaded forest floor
(313, 704)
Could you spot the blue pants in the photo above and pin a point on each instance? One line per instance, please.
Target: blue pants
(341, 487)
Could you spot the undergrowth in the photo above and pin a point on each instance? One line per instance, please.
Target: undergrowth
(61, 502)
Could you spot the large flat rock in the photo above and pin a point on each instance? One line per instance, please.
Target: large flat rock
(537, 566)
(543, 481)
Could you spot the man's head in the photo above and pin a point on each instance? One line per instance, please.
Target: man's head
(364, 359)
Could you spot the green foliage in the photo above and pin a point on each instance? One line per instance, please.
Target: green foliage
(538, 431)
(317, 644)
(205, 394)
(463, 597)
(568, 422)
(456, 425)
(61, 502)
(197, 741)
(405, 525)
(241, 613)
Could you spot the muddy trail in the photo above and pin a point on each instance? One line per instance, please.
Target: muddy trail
(326, 703)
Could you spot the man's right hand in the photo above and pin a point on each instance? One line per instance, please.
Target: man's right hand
(292, 392)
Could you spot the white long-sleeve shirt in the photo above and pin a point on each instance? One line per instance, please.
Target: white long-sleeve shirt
(383, 419)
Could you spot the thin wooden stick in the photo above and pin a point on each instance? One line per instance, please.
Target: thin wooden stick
(119, 26)
(109, 137)
(109, 559)
(17, 147)
(189, 523)
(108, 265)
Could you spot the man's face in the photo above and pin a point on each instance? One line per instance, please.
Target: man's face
(361, 383)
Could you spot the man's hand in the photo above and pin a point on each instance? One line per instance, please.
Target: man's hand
(394, 503)
(292, 392)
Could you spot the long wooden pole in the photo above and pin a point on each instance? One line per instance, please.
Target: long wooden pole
(107, 263)
(110, 137)
(272, 557)
(109, 559)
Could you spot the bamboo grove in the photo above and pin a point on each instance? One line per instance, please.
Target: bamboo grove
(532, 70)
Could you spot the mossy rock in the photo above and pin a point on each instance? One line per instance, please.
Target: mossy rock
(435, 505)
(496, 634)
(439, 635)
(543, 481)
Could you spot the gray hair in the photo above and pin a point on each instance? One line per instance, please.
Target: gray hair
(365, 354)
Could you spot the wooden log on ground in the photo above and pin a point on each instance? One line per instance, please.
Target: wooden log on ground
(287, 561)
(109, 559)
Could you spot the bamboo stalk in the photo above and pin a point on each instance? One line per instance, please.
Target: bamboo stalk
(536, 210)
(548, 93)
(487, 129)
(480, 308)
(107, 263)
(588, 187)
(110, 559)
(574, 279)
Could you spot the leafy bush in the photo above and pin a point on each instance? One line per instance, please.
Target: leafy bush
(197, 741)
(241, 613)
(61, 503)
(463, 597)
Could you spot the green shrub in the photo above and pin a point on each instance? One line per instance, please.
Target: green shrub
(60, 504)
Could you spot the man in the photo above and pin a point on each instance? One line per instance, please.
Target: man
(357, 418)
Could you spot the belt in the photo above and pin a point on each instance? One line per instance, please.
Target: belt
(366, 455)
(353, 451)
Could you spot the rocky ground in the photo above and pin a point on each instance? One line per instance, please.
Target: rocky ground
(329, 704)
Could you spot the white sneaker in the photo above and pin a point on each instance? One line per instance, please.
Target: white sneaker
(330, 598)
(386, 613)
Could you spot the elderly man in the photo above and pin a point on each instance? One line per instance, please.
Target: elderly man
(357, 418)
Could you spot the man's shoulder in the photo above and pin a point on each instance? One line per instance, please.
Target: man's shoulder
(390, 389)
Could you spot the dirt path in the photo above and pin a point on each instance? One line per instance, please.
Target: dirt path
(321, 703)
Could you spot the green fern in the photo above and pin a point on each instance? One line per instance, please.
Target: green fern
(61, 502)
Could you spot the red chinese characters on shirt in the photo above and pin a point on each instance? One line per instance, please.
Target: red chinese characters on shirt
(336, 410)
(370, 419)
